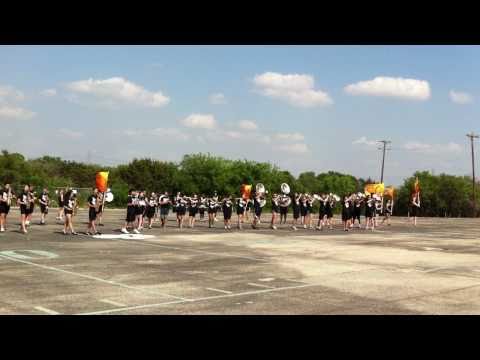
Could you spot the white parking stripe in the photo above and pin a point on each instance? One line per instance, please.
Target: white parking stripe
(91, 277)
(261, 285)
(111, 302)
(220, 290)
(45, 310)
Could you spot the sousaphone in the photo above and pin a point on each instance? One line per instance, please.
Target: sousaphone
(285, 188)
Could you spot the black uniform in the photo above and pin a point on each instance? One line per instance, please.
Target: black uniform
(164, 208)
(241, 206)
(130, 209)
(69, 204)
(44, 199)
(193, 207)
(295, 207)
(275, 207)
(257, 208)
(3, 202)
(31, 205)
(357, 210)
(415, 210)
(24, 203)
(303, 207)
(329, 209)
(181, 206)
(92, 213)
(369, 208)
(212, 206)
(284, 209)
(151, 207)
(227, 207)
(141, 205)
(346, 210)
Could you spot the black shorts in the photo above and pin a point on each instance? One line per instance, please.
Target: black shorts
(192, 211)
(100, 209)
(61, 204)
(30, 210)
(303, 210)
(329, 213)
(212, 210)
(23, 210)
(150, 212)
(181, 210)
(3, 208)
(258, 210)
(139, 210)
(296, 212)
(92, 214)
(130, 214)
(43, 209)
(164, 210)
(414, 211)
(346, 214)
(68, 211)
(227, 213)
(240, 210)
(283, 210)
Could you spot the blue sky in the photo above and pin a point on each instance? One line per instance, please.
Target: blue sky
(290, 105)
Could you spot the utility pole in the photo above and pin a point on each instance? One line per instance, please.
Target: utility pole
(384, 148)
(473, 136)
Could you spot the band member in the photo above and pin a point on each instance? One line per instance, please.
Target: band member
(369, 212)
(241, 209)
(257, 208)
(101, 206)
(309, 217)
(303, 210)
(131, 213)
(164, 202)
(140, 209)
(378, 209)
(44, 202)
(31, 205)
(181, 208)
(24, 204)
(357, 210)
(296, 210)
(70, 203)
(275, 210)
(192, 210)
(212, 211)
(388, 211)
(284, 203)
(219, 206)
(5, 202)
(227, 208)
(322, 211)
(329, 206)
(60, 204)
(151, 209)
(202, 207)
(415, 207)
(346, 212)
(248, 209)
(92, 212)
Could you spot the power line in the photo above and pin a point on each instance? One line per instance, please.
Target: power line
(473, 136)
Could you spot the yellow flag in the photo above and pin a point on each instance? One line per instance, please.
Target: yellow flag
(101, 181)
(375, 188)
(389, 191)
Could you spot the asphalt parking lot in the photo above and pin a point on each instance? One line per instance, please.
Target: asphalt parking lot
(398, 269)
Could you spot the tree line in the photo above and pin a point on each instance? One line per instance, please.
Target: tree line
(441, 195)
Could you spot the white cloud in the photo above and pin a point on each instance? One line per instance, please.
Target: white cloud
(48, 92)
(289, 137)
(10, 93)
(13, 112)
(363, 141)
(217, 99)
(430, 149)
(295, 89)
(392, 87)
(120, 90)
(70, 133)
(204, 121)
(460, 97)
(166, 133)
(247, 125)
(297, 148)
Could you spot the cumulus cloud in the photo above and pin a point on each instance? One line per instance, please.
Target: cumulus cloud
(364, 141)
(289, 136)
(295, 89)
(297, 148)
(461, 98)
(166, 133)
(430, 149)
(203, 121)
(13, 112)
(10, 93)
(70, 133)
(118, 89)
(412, 89)
(217, 99)
(48, 92)
(247, 125)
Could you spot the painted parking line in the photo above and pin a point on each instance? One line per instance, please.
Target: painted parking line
(45, 310)
(111, 302)
(220, 290)
(261, 285)
(114, 283)
(246, 293)
(266, 279)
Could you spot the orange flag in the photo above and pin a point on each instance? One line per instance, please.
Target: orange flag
(246, 190)
(389, 191)
(416, 186)
(101, 181)
(375, 188)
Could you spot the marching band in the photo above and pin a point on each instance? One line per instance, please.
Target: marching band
(142, 210)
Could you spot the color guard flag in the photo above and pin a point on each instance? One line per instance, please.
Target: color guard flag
(101, 181)
(246, 190)
(389, 191)
(375, 188)
(416, 186)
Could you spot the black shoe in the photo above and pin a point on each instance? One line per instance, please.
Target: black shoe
(98, 233)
